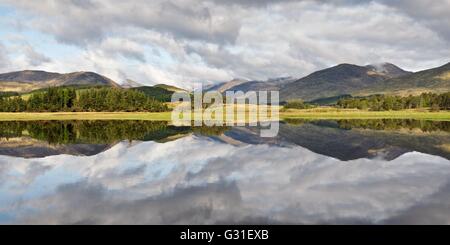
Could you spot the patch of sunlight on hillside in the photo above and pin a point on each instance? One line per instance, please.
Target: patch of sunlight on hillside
(445, 76)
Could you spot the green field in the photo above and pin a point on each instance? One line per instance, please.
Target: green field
(318, 113)
(334, 113)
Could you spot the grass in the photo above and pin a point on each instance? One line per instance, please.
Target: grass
(315, 113)
(335, 113)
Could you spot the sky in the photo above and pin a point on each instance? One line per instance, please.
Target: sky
(189, 41)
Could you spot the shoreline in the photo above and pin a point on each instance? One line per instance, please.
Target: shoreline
(166, 116)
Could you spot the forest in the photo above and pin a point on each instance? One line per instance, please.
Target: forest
(86, 100)
(433, 101)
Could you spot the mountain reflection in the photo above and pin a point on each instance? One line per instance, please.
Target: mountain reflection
(33, 139)
(96, 132)
(380, 124)
(201, 180)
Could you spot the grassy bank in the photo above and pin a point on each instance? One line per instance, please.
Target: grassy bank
(334, 113)
(317, 113)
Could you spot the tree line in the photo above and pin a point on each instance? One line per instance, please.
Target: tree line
(298, 104)
(86, 100)
(389, 102)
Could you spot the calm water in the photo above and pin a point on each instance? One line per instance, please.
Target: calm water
(314, 172)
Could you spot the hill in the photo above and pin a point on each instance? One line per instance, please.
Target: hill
(435, 80)
(170, 88)
(339, 80)
(158, 93)
(26, 81)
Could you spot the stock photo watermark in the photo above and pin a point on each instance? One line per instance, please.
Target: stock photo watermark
(233, 108)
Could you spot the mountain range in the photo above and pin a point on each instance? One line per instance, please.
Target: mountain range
(340, 79)
(349, 80)
(26, 81)
(333, 82)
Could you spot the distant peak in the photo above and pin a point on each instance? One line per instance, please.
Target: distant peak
(128, 83)
(387, 69)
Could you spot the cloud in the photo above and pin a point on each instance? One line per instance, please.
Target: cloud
(182, 42)
(152, 183)
(83, 21)
(434, 15)
(126, 48)
(20, 55)
(33, 57)
(4, 62)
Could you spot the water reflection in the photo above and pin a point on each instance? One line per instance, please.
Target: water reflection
(314, 172)
(32, 139)
(182, 182)
(382, 138)
(342, 139)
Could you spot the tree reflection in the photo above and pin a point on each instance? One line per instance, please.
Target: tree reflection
(379, 124)
(98, 132)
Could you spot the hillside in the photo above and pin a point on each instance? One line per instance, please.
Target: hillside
(435, 80)
(223, 87)
(330, 83)
(128, 83)
(26, 81)
(339, 80)
(269, 85)
(158, 93)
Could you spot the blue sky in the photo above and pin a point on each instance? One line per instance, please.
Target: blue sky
(183, 42)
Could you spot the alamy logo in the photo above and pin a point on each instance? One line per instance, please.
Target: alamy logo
(253, 108)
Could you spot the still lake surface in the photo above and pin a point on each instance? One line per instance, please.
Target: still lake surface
(141, 172)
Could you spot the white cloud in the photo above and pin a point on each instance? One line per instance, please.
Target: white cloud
(189, 41)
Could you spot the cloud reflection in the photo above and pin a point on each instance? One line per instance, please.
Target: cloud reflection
(196, 180)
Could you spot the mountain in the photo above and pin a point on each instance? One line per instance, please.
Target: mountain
(388, 69)
(26, 81)
(339, 80)
(223, 87)
(27, 147)
(243, 85)
(130, 84)
(435, 80)
(269, 85)
(351, 139)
